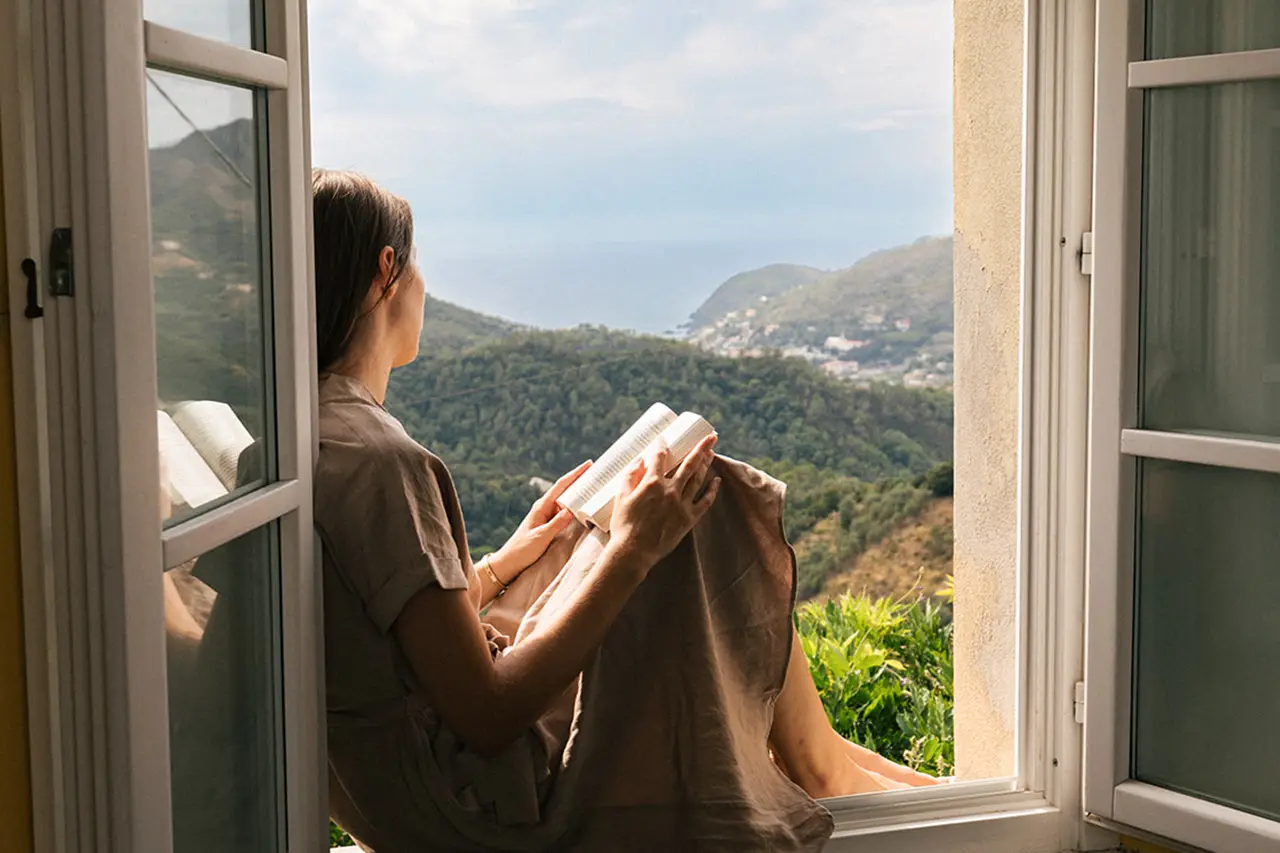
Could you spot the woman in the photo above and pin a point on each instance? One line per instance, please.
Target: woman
(415, 678)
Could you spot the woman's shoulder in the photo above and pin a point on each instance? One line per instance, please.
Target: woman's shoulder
(359, 436)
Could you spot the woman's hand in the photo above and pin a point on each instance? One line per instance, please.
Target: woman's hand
(655, 511)
(535, 533)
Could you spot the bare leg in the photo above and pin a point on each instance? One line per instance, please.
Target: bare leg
(817, 758)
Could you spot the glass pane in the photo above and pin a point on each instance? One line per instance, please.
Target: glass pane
(211, 290)
(1192, 27)
(1208, 642)
(1211, 298)
(222, 628)
(230, 21)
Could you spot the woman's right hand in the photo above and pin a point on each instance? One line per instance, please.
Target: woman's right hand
(653, 511)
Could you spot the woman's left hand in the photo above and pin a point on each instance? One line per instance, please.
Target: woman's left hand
(544, 521)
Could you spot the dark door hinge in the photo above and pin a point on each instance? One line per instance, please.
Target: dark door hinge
(33, 290)
(62, 268)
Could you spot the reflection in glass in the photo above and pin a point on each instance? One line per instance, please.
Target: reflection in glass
(230, 21)
(221, 621)
(211, 286)
(1208, 643)
(1211, 297)
(1192, 27)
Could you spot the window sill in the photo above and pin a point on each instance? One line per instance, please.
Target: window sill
(976, 819)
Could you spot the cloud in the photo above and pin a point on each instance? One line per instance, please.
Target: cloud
(504, 120)
(722, 59)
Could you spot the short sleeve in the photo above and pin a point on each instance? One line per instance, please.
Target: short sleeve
(383, 516)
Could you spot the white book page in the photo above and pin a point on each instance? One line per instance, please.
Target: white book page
(216, 432)
(190, 480)
(681, 437)
(616, 459)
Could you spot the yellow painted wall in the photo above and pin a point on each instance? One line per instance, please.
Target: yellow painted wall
(15, 779)
(987, 87)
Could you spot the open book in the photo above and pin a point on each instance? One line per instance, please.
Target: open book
(200, 447)
(591, 498)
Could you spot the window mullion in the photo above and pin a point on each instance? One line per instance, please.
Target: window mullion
(1241, 453)
(199, 535)
(174, 50)
(1203, 70)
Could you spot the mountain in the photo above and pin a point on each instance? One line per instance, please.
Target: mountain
(449, 326)
(889, 316)
(748, 289)
(908, 282)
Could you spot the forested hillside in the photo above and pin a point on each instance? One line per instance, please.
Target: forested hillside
(537, 403)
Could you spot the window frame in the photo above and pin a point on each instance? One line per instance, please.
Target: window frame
(107, 774)
(93, 548)
(1116, 444)
(1039, 809)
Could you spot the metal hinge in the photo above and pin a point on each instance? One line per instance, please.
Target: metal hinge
(1086, 253)
(1078, 705)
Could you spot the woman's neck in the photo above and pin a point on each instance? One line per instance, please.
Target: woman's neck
(374, 372)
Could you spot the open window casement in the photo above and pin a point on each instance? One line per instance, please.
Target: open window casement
(172, 608)
(1183, 643)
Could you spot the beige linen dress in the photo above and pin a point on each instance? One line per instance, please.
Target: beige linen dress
(661, 745)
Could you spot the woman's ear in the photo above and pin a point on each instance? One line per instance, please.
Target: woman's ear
(382, 287)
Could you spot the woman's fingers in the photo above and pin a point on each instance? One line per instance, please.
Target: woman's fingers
(544, 508)
(632, 476)
(559, 522)
(566, 481)
(691, 474)
(657, 458)
(702, 504)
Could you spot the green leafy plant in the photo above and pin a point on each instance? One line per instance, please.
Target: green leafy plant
(338, 837)
(885, 674)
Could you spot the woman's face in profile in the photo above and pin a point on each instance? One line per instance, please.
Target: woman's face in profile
(407, 307)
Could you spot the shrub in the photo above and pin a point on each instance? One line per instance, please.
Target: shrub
(940, 480)
(884, 671)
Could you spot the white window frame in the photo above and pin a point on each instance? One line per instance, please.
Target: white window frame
(75, 154)
(1111, 795)
(107, 776)
(1039, 809)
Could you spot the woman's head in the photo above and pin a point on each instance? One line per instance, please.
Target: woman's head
(369, 293)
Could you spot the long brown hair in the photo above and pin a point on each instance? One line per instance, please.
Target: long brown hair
(354, 219)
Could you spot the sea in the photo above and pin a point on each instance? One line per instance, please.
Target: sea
(649, 287)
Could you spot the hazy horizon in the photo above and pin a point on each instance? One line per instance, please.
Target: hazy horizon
(613, 161)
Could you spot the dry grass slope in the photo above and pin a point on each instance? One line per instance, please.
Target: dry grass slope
(914, 559)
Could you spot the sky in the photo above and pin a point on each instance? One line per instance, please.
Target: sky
(588, 160)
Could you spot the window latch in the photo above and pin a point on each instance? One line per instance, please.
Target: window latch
(62, 269)
(1086, 253)
(1078, 705)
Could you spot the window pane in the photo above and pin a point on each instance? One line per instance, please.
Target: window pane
(211, 290)
(222, 630)
(230, 21)
(1191, 27)
(1208, 643)
(1211, 299)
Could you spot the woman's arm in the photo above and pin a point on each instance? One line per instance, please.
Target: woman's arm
(543, 523)
(489, 703)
